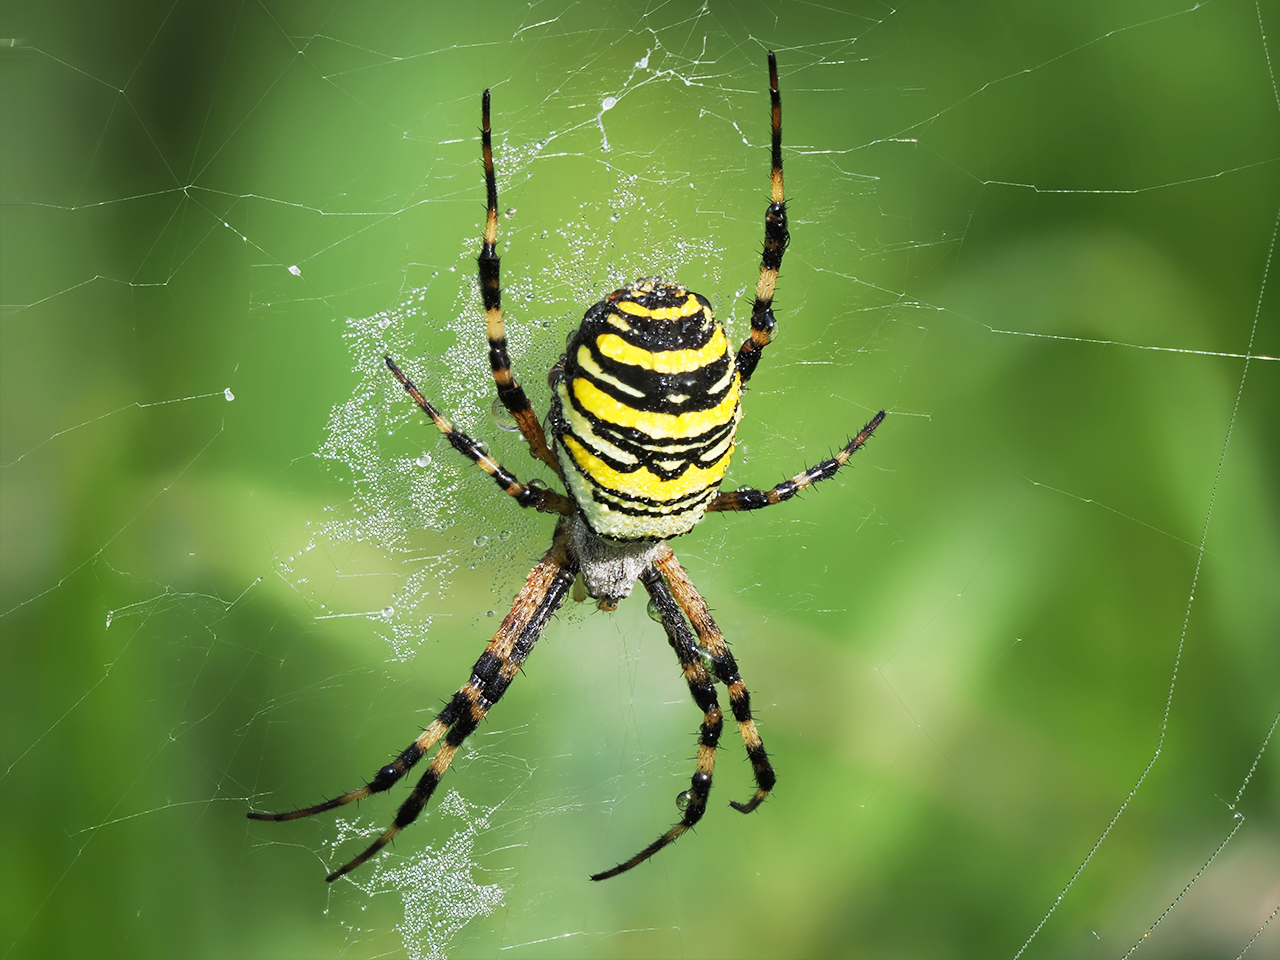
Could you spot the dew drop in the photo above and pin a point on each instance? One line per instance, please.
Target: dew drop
(424, 460)
(502, 416)
(481, 541)
(683, 798)
(504, 535)
(228, 394)
(654, 612)
(295, 270)
(387, 611)
(608, 103)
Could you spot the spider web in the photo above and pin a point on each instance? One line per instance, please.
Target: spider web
(1016, 664)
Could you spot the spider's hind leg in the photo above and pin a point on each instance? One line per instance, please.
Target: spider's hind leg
(510, 392)
(776, 237)
(702, 688)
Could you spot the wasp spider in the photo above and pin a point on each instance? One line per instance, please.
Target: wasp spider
(646, 401)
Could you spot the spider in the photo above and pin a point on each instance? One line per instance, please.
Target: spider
(645, 405)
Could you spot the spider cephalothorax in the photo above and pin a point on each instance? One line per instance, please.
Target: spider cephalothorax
(645, 405)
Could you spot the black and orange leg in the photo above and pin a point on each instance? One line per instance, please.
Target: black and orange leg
(527, 495)
(726, 671)
(510, 392)
(543, 592)
(748, 498)
(775, 244)
(703, 690)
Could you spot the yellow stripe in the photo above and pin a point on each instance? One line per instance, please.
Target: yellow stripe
(642, 483)
(657, 425)
(588, 363)
(663, 361)
(687, 309)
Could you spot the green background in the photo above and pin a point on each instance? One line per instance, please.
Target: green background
(962, 649)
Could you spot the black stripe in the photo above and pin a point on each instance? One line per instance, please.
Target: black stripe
(760, 766)
(655, 387)
(741, 706)
(776, 236)
(633, 439)
(410, 809)
(490, 292)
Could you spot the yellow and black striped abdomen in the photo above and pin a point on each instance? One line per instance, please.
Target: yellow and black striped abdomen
(645, 410)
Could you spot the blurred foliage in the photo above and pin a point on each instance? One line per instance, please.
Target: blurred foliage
(962, 649)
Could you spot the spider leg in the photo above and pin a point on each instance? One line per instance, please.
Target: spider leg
(384, 778)
(748, 498)
(510, 392)
(775, 244)
(726, 670)
(541, 596)
(527, 495)
(704, 695)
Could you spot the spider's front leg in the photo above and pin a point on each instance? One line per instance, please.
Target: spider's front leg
(704, 695)
(543, 593)
(726, 668)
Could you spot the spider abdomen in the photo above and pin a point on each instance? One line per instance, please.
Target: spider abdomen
(644, 411)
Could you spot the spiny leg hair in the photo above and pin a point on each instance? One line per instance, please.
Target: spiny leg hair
(748, 498)
(775, 243)
(527, 495)
(726, 671)
(510, 392)
(541, 596)
(702, 688)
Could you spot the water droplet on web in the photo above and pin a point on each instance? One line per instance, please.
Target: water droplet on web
(504, 535)
(110, 614)
(502, 416)
(424, 460)
(384, 322)
(683, 799)
(608, 103)
(481, 541)
(387, 611)
(653, 611)
(228, 394)
(295, 270)
(491, 613)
